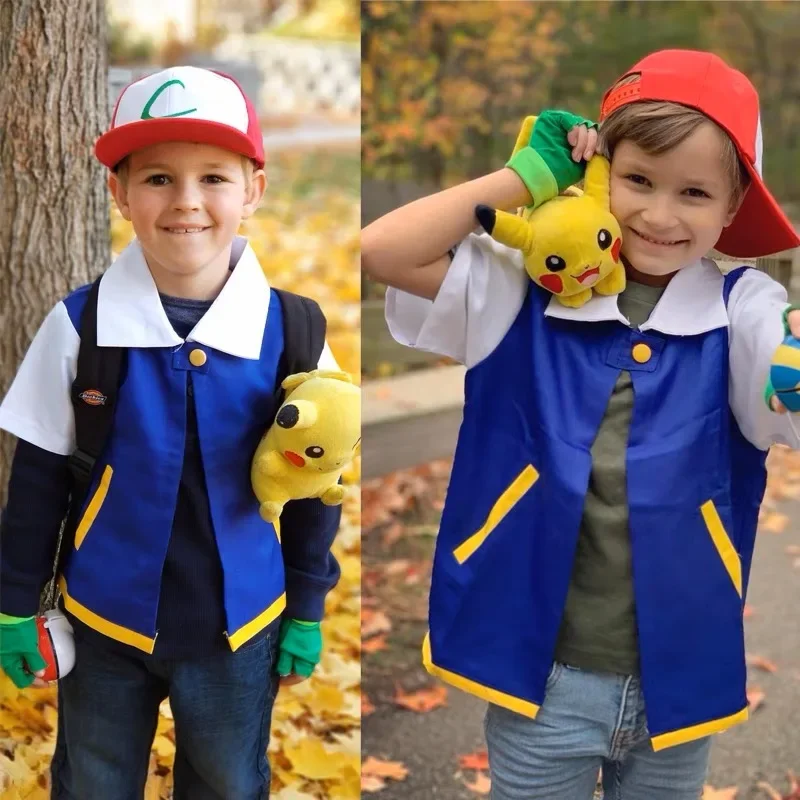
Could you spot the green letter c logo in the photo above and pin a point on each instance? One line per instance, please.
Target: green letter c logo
(154, 97)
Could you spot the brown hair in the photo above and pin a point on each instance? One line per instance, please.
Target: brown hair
(657, 127)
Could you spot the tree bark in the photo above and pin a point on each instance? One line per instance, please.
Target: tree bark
(54, 206)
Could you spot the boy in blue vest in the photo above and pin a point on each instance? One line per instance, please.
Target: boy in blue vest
(174, 584)
(592, 562)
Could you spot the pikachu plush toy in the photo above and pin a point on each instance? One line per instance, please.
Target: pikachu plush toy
(316, 433)
(571, 243)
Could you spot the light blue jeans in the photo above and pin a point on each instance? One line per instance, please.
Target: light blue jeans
(589, 721)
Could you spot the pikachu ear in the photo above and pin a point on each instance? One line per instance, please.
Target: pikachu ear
(524, 135)
(336, 375)
(293, 381)
(596, 181)
(508, 229)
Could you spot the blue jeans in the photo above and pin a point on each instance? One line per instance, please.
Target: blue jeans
(588, 721)
(222, 707)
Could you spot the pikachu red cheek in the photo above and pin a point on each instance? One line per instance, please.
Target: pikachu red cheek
(552, 283)
(294, 458)
(615, 248)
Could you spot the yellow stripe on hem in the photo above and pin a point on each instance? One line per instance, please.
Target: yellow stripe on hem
(110, 629)
(248, 631)
(684, 735)
(507, 500)
(93, 509)
(727, 552)
(508, 701)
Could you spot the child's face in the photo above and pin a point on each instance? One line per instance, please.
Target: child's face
(177, 185)
(671, 207)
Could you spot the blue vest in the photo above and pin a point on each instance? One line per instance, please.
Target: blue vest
(112, 578)
(510, 525)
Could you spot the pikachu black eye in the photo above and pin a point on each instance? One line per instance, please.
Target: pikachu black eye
(288, 416)
(315, 451)
(604, 239)
(555, 263)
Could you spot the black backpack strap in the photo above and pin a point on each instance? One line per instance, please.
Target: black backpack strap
(94, 400)
(304, 328)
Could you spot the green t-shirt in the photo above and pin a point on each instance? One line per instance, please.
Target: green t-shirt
(598, 629)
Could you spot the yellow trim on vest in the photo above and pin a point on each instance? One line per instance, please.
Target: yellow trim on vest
(510, 497)
(110, 629)
(248, 631)
(277, 526)
(727, 552)
(93, 509)
(684, 735)
(508, 701)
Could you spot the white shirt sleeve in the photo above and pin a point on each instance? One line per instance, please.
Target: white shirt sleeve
(38, 407)
(755, 308)
(327, 360)
(477, 303)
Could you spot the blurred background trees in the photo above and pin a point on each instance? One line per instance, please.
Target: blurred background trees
(445, 85)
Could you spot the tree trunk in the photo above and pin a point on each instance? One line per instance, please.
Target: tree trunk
(54, 206)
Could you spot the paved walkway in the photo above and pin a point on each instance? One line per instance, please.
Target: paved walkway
(429, 744)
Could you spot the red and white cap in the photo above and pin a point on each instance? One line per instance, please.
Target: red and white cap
(182, 104)
(705, 82)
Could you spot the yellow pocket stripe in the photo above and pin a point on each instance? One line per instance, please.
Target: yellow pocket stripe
(510, 497)
(93, 509)
(248, 631)
(110, 629)
(524, 707)
(684, 735)
(727, 552)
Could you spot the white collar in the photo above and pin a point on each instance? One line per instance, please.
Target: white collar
(691, 304)
(130, 313)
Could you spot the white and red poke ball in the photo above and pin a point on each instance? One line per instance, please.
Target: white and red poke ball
(56, 644)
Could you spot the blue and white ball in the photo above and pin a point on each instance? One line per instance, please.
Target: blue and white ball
(785, 373)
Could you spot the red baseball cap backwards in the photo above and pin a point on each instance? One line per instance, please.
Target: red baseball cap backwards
(705, 82)
(182, 104)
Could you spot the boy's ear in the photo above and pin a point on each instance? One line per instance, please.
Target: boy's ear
(120, 195)
(734, 209)
(255, 191)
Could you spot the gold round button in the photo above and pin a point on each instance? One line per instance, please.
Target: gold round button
(198, 357)
(641, 353)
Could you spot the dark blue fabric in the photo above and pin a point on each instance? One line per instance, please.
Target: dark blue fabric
(191, 617)
(108, 710)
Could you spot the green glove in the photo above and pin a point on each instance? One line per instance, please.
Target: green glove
(299, 647)
(19, 646)
(769, 391)
(542, 156)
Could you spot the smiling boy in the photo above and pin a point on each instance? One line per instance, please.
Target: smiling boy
(595, 546)
(174, 584)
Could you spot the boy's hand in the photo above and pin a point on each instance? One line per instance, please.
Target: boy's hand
(299, 650)
(550, 152)
(20, 658)
(791, 327)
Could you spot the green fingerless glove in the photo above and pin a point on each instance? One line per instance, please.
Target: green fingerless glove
(19, 647)
(299, 647)
(542, 156)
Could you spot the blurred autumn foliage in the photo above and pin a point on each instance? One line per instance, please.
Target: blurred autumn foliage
(306, 237)
(445, 84)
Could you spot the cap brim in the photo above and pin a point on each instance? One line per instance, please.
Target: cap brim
(760, 227)
(113, 146)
